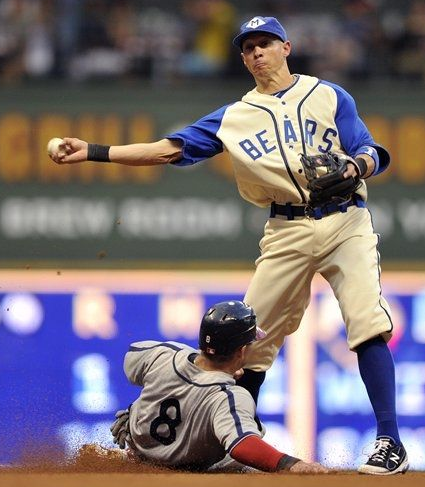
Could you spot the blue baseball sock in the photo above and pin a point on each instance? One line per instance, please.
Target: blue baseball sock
(376, 367)
(252, 381)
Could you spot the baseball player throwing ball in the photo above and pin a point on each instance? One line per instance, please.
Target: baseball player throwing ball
(191, 413)
(299, 147)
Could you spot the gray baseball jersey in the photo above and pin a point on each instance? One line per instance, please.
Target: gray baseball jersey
(185, 416)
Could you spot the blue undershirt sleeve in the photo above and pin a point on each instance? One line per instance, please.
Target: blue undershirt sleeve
(353, 133)
(199, 140)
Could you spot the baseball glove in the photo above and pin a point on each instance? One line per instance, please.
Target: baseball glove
(328, 185)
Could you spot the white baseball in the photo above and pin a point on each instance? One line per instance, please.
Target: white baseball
(55, 145)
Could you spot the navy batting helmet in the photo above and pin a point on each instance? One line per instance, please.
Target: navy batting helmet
(227, 326)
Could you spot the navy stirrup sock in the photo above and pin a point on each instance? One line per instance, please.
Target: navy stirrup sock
(376, 367)
(252, 381)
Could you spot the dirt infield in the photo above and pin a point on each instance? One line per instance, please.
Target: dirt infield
(92, 470)
(343, 479)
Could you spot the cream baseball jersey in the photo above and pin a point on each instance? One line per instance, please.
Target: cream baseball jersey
(185, 416)
(265, 135)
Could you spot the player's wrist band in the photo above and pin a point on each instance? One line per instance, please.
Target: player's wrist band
(98, 153)
(373, 153)
(361, 166)
(286, 462)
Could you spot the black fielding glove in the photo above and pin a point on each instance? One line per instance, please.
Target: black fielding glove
(325, 178)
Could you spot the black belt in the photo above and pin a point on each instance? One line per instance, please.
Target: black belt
(291, 211)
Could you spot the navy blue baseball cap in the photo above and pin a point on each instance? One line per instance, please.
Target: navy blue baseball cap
(269, 25)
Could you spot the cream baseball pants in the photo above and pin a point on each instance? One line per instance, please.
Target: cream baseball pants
(342, 247)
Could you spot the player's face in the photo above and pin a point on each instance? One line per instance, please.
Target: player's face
(264, 54)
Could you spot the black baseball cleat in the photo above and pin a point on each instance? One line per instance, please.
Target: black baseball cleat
(387, 458)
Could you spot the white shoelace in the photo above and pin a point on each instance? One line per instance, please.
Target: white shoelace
(381, 448)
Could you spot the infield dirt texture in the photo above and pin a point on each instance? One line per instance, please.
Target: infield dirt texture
(92, 471)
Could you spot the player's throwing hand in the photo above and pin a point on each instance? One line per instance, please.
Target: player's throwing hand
(75, 151)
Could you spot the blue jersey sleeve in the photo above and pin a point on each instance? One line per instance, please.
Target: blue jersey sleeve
(199, 140)
(353, 133)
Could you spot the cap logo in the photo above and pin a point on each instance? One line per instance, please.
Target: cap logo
(255, 22)
(208, 339)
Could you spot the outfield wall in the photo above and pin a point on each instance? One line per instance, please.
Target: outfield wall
(99, 215)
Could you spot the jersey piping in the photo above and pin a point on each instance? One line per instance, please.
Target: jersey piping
(346, 107)
(379, 280)
(280, 93)
(222, 385)
(233, 412)
(299, 115)
(282, 152)
(167, 345)
(230, 399)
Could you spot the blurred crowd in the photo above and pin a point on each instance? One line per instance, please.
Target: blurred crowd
(167, 41)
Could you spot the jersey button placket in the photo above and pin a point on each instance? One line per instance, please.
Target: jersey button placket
(280, 116)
